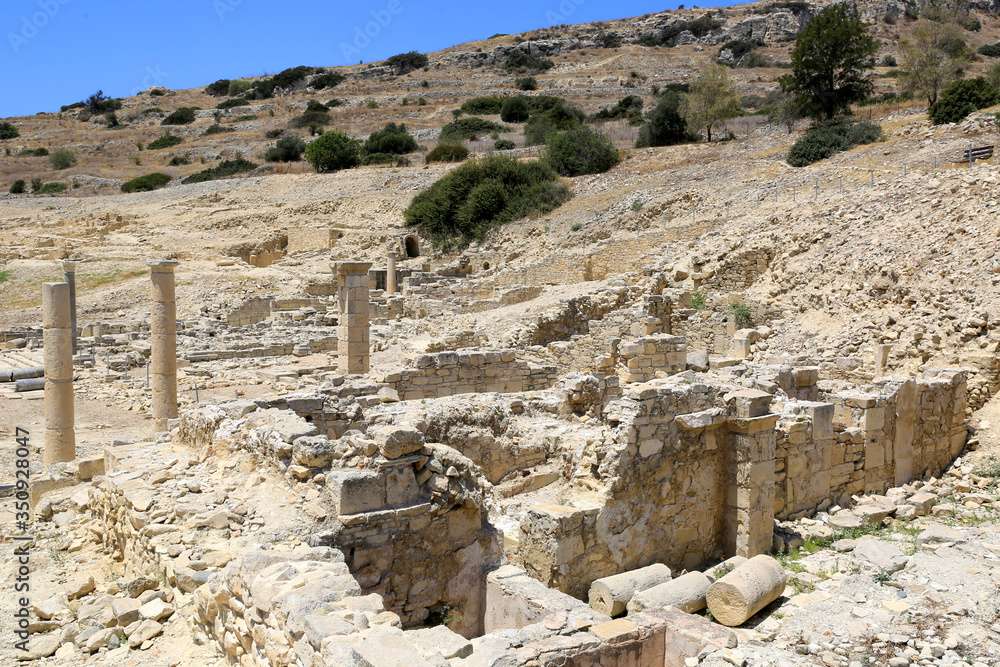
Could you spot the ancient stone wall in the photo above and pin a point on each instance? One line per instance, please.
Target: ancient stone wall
(310, 238)
(737, 271)
(642, 359)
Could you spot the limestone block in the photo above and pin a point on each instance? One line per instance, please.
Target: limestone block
(388, 648)
(746, 590)
(687, 593)
(354, 491)
(440, 640)
(881, 554)
(724, 568)
(398, 440)
(923, 502)
(610, 595)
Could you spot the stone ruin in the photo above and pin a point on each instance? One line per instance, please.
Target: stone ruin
(527, 504)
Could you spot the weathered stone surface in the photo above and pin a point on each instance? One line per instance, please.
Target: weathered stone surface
(440, 640)
(687, 592)
(146, 630)
(937, 534)
(881, 554)
(746, 590)
(396, 441)
(39, 646)
(610, 595)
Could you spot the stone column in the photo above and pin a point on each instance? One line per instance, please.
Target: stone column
(60, 435)
(352, 333)
(390, 273)
(750, 457)
(69, 277)
(163, 335)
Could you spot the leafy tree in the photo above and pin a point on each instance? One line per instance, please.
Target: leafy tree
(712, 99)
(515, 110)
(962, 98)
(62, 159)
(17, 187)
(404, 63)
(8, 131)
(219, 88)
(786, 111)
(665, 125)
(286, 149)
(238, 87)
(393, 139)
(333, 151)
(581, 150)
(99, 103)
(830, 61)
(182, 116)
(544, 124)
(933, 56)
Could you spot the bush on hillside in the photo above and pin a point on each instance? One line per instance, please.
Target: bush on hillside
(379, 158)
(99, 103)
(182, 116)
(482, 106)
(232, 103)
(520, 62)
(40, 152)
(264, 88)
(216, 129)
(544, 124)
(166, 141)
(990, 50)
(218, 89)
(224, 169)
(393, 139)
(18, 187)
(62, 159)
(734, 51)
(830, 137)
(962, 98)
(238, 87)
(51, 189)
(180, 160)
(327, 80)
(503, 145)
(665, 124)
(466, 128)
(146, 183)
(332, 152)
(515, 110)
(668, 36)
(629, 107)
(316, 114)
(404, 63)
(447, 153)
(579, 151)
(8, 131)
(286, 149)
(526, 83)
(36, 185)
(477, 196)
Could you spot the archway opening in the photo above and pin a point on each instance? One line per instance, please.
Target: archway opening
(412, 247)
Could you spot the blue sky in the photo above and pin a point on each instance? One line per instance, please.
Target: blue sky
(56, 52)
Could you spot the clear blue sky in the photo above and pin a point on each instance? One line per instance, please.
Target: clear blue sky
(57, 52)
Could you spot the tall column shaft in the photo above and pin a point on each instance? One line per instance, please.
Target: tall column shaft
(69, 277)
(60, 434)
(390, 273)
(163, 343)
(353, 343)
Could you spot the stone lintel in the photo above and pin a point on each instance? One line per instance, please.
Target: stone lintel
(751, 425)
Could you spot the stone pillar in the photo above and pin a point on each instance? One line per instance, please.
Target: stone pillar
(390, 273)
(69, 277)
(60, 435)
(750, 493)
(352, 333)
(163, 335)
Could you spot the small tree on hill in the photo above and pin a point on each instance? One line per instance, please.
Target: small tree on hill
(665, 126)
(712, 100)
(830, 62)
(932, 57)
(333, 151)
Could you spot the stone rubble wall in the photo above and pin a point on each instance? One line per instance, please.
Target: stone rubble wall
(737, 271)
(640, 360)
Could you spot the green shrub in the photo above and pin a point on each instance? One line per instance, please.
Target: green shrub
(8, 131)
(392, 139)
(830, 137)
(286, 149)
(335, 102)
(447, 153)
(152, 110)
(40, 152)
(328, 80)
(180, 160)
(404, 63)
(668, 36)
(481, 106)
(315, 114)
(235, 102)
(477, 196)
(18, 187)
(333, 151)
(970, 23)
(70, 107)
(111, 119)
(515, 110)
(738, 49)
(579, 151)
(665, 124)
(990, 50)
(607, 41)
(264, 88)
(245, 119)
(157, 92)
(526, 83)
(421, 102)
(238, 87)
(503, 145)
(466, 128)
(224, 169)
(629, 107)
(962, 98)
(51, 188)
(99, 103)
(146, 183)
(62, 159)
(522, 63)
(166, 141)
(544, 124)
(741, 314)
(218, 89)
(379, 158)
(36, 185)
(216, 129)
(889, 61)
(182, 116)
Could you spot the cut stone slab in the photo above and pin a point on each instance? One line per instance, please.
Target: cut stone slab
(126, 610)
(881, 554)
(440, 640)
(388, 648)
(698, 360)
(845, 520)
(923, 502)
(938, 534)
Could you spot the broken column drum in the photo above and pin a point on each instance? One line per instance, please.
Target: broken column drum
(60, 434)
(69, 277)
(163, 335)
(353, 329)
